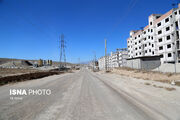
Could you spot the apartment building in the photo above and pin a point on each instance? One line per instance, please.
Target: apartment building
(115, 59)
(159, 38)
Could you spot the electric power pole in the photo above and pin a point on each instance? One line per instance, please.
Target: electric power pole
(117, 50)
(105, 55)
(62, 51)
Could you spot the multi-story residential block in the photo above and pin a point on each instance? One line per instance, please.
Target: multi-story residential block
(159, 38)
(115, 59)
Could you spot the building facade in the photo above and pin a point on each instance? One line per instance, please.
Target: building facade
(159, 38)
(115, 59)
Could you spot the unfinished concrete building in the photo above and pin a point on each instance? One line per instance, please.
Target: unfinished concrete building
(159, 38)
(115, 59)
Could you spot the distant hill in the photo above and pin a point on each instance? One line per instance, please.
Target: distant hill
(24, 62)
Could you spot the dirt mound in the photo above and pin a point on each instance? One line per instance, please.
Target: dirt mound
(25, 77)
(17, 64)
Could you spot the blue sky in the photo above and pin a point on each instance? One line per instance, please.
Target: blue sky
(30, 29)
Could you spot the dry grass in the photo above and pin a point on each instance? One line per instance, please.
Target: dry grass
(147, 75)
(166, 88)
(107, 71)
(158, 86)
(147, 83)
(178, 83)
(169, 89)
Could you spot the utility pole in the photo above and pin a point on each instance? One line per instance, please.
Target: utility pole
(94, 61)
(62, 52)
(105, 55)
(117, 50)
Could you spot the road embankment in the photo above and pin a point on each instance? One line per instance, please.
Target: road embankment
(27, 76)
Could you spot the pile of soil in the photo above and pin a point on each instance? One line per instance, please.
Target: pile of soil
(27, 76)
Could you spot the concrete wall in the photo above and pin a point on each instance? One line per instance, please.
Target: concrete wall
(168, 67)
(150, 64)
(134, 63)
(146, 64)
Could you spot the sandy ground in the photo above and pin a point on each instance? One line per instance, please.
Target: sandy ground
(85, 95)
(151, 94)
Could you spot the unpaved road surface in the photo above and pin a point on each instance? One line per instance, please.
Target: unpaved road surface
(81, 95)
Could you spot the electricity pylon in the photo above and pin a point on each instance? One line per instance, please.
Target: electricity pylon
(62, 51)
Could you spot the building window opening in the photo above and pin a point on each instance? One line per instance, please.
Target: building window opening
(167, 28)
(176, 23)
(159, 24)
(159, 32)
(161, 48)
(160, 40)
(168, 37)
(167, 20)
(169, 55)
(169, 46)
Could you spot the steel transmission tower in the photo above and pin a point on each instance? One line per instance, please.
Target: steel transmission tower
(62, 51)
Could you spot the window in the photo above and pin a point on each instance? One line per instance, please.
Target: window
(176, 23)
(153, 52)
(151, 30)
(168, 37)
(148, 37)
(159, 32)
(179, 11)
(169, 46)
(159, 24)
(135, 43)
(166, 20)
(149, 50)
(158, 17)
(148, 30)
(150, 23)
(169, 55)
(160, 40)
(145, 45)
(144, 38)
(140, 53)
(145, 51)
(149, 44)
(138, 35)
(152, 45)
(139, 41)
(135, 48)
(161, 48)
(139, 47)
(144, 32)
(167, 28)
(136, 54)
(175, 13)
(152, 38)
(135, 37)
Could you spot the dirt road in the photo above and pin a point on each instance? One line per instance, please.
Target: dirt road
(81, 95)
